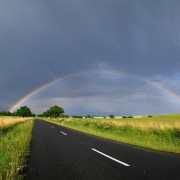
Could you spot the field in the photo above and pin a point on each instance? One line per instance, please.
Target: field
(6, 122)
(159, 132)
(145, 122)
(15, 134)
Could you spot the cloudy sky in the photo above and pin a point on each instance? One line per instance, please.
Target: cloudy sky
(117, 57)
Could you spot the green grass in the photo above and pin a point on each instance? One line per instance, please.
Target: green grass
(14, 148)
(164, 138)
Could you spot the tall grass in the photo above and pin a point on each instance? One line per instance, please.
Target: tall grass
(14, 147)
(156, 133)
(6, 122)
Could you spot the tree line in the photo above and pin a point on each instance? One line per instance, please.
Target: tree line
(24, 111)
(53, 112)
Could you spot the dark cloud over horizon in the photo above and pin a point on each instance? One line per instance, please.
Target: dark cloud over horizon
(41, 40)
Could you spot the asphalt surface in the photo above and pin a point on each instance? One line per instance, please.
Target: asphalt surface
(62, 153)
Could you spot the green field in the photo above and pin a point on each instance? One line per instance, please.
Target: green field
(159, 132)
(15, 135)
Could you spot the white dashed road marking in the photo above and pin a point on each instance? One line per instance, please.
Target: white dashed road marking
(63, 133)
(110, 157)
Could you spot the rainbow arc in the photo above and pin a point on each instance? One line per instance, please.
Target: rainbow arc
(83, 72)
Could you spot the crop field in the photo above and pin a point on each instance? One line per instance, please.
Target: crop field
(15, 135)
(145, 122)
(6, 122)
(159, 132)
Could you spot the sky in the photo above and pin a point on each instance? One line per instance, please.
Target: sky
(96, 57)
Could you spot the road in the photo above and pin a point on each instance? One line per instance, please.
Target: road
(61, 153)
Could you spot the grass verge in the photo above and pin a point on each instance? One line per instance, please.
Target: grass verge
(158, 138)
(14, 148)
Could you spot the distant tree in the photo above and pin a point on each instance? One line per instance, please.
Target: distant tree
(33, 115)
(23, 111)
(130, 117)
(45, 114)
(14, 113)
(5, 113)
(88, 116)
(54, 111)
(77, 116)
(64, 116)
(8, 113)
(111, 116)
(39, 115)
(149, 115)
(124, 117)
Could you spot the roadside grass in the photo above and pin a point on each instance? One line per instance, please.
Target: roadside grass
(14, 147)
(158, 132)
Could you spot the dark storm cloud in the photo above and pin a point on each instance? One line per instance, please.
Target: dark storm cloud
(41, 40)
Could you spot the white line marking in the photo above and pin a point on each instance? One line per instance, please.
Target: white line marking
(63, 133)
(110, 157)
(52, 126)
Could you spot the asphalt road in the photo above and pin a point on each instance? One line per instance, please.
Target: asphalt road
(61, 153)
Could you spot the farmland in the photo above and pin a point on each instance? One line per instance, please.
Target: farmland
(15, 134)
(7, 122)
(159, 132)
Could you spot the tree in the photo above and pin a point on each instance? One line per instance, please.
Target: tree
(88, 116)
(54, 111)
(130, 117)
(24, 111)
(111, 116)
(5, 113)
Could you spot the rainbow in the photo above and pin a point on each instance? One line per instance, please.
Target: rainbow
(77, 73)
(42, 87)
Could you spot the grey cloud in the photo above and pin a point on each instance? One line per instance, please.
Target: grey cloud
(42, 40)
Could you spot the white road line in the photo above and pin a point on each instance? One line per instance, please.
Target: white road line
(52, 126)
(63, 133)
(110, 157)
